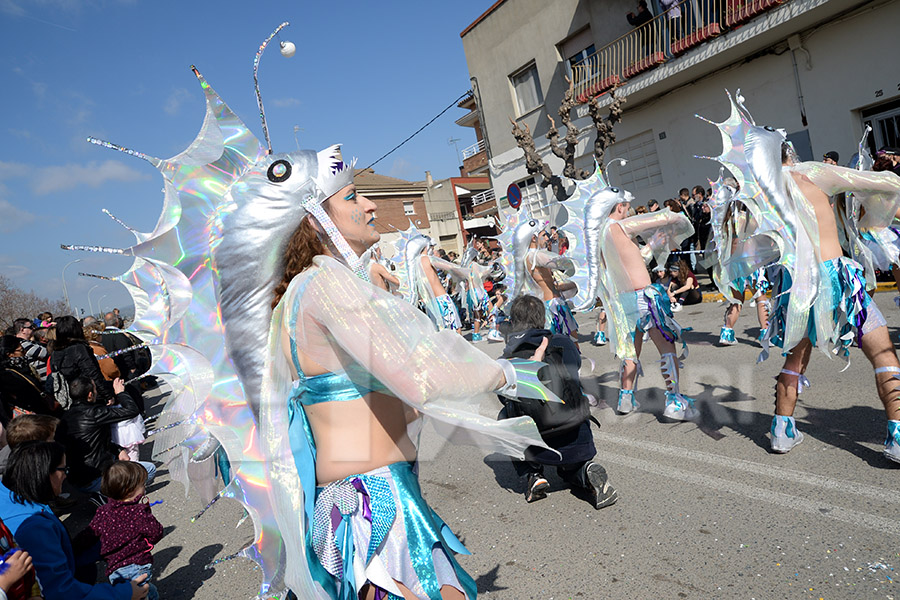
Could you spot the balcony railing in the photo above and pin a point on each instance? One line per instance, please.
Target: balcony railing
(684, 26)
(473, 149)
(449, 215)
(482, 197)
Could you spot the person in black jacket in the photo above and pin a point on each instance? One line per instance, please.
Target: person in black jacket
(114, 340)
(21, 388)
(576, 449)
(72, 357)
(89, 445)
(643, 15)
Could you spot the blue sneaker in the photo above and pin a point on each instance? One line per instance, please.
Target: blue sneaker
(892, 443)
(476, 337)
(726, 337)
(785, 434)
(627, 403)
(680, 408)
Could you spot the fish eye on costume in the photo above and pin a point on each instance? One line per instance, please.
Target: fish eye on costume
(614, 190)
(532, 223)
(768, 128)
(279, 171)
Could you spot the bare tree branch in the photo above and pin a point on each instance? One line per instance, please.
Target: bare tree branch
(16, 303)
(566, 149)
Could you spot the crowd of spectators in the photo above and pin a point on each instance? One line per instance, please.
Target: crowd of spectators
(64, 404)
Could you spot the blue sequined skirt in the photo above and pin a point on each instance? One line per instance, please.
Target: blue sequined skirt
(375, 528)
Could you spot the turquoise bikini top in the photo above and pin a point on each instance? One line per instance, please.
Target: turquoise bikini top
(327, 387)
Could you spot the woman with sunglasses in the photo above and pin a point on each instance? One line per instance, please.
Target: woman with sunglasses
(34, 476)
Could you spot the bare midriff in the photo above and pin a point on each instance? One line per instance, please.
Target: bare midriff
(829, 244)
(357, 436)
(630, 255)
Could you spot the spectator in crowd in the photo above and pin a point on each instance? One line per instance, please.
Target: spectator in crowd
(72, 357)
(683, 287)
(652, 206)
(643, 15)
(108, 366)
(120, 322)
(831, 158)
(114, 340)
(700, 217)
(31, 428)
(89, 436)
(33, 478)
(44, 319)
(18, 580)
(640, 210)
(554, 241)
(23, 392)
(35, 353)
(125, 525)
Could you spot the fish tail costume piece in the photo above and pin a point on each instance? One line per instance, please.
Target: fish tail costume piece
(202, 283)
(824, 301)
(599, 271)
(519, 259)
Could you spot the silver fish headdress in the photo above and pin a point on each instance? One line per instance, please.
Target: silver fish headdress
(515, 240)
(202, 283)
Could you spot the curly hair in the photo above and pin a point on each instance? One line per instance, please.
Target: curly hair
(303, 246)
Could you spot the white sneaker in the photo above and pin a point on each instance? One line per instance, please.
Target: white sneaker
(627, 403)
(785, 434)
(677, 307)
(726, 337)
(680, 408)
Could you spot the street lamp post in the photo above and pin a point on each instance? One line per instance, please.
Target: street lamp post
(100, 306)
(90, 304)
(65, 289)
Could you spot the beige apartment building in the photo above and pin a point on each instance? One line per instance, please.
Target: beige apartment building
(820, 69)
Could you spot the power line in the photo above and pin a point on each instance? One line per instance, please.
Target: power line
(419, 130)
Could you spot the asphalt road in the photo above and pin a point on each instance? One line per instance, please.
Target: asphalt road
(705, 510)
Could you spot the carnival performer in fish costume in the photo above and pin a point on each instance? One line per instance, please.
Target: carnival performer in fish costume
(613, 267)
(478, 303)
(729, 222)
(531, 270)
(819, 295)
(419, 281)
(253, 290)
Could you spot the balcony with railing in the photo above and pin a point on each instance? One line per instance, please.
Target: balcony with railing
(682, 27)
(474, 158)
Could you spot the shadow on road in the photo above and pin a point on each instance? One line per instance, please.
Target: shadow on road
(488, 581)
(184, 582)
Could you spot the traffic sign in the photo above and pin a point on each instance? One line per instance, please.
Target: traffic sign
(514, 195)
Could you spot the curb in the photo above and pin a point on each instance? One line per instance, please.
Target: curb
(881, 286)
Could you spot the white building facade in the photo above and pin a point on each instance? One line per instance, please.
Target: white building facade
(820, 69)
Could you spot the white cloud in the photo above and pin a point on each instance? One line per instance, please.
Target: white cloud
(93, 174)
(175, 100)
(12, 217)
(285, 102)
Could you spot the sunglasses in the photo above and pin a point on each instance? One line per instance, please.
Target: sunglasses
(63, 469)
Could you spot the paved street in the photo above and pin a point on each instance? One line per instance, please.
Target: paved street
(705, 510)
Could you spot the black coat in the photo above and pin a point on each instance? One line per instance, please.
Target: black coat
(89, 447)
(78, 360)
(21, 389)
(114, 340)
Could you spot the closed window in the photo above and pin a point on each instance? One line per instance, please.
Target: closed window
(408, 208)
(527, 89)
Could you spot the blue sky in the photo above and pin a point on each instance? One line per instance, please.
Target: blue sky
(366, 74)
